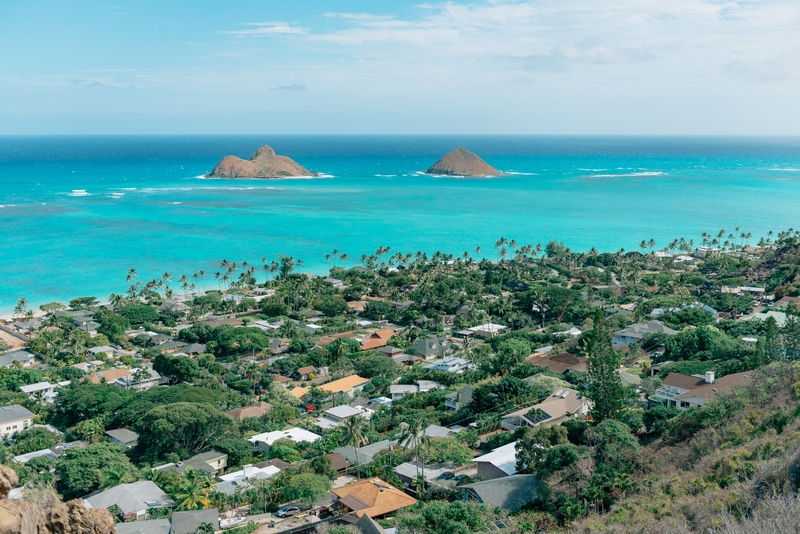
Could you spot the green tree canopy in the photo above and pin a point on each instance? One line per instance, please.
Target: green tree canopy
(81, 469)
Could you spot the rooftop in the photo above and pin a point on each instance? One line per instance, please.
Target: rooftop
(133, 498)
(344, 384)
(372, 497)
(503, 458)
(14, 412)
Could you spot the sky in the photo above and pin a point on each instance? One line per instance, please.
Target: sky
(485, 67)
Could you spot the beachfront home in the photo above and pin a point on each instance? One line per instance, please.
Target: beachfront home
(14, 418)
(262, 442)
(133, 500)
(682, 392)
(349, 385)
(122, 437)
(508, 493)
(636, 332)
(372, 497)
(501, 462)
(555, 409)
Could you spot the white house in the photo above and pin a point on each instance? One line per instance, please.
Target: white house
(13, 419)
(262, 442)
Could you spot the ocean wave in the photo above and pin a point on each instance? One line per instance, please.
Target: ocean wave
(627, 175)
(386, 175)
(592, 170)
(319, 176)
(522, 173)
(7, 205)
(786, 169)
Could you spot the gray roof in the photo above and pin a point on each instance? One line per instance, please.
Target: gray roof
(131, 498)
(509, 493)
(365, 453)
(123, 435)
(208, 456)
(14, 412)
(367, 525)
(638, 331)
(17, 356)
(436, 431)
(187, 522)
(229, 487)
(412, 469)
(153, 526)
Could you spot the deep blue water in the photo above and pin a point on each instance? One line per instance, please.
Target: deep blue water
(606, 192)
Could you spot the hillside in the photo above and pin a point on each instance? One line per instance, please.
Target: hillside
(263, 164)
(461, 162)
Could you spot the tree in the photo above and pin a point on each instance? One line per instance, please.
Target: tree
(91, 430)
(510, 353)
(185, 428)
(22, 308)
(307, 488)
(194, 490)
(376, 310)
(791, 335)
(176, 368)
(442, 517)
(33, 439)
(140, 314)
(374, 364)
(81, 303)
(605, 387)
(333, 305)
(81, 469)
(322, 465)
(239, 450)
(353, 435)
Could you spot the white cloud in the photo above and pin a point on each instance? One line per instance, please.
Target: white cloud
(268, 28)
(589, 51)
(290, 87)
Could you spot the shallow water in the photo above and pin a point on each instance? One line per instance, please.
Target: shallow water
(148, 207)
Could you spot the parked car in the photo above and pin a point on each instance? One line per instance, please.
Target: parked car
(447, 475)
(287, 511)
(459, 478)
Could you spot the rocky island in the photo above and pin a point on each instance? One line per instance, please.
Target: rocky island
(461, 162)
(263, 164)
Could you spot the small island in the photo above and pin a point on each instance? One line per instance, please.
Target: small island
(462, 162)
(263, 164)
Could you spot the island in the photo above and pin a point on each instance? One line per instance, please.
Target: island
(263, 164)
(462, 162)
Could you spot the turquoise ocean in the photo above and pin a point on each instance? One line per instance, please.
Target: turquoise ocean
(148, 207)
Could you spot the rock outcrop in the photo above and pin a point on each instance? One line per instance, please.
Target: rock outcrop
(263, 164)
(49, 517)
(461, 162)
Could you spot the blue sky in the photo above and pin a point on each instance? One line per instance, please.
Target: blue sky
(546, 67)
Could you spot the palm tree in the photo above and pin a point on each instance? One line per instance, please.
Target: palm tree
(131, 274)
(344, 257)
(114, 475)
(353, 436)
(195, 490)
(413, 437)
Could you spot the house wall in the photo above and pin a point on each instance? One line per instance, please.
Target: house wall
(10, 427)
(489, 471)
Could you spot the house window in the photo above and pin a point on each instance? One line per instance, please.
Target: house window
(25, 425)
(684, 404)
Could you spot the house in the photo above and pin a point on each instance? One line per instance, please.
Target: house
(367, 525)
(372, 497)
(312, 328)
(103, 351)
(194, 349)
(249, 471)
(488, 330)
(279, 345)
(122, 437)
(212, 462)
(172, 346)
(173, 306)
(13, 419)
(635, 332)
(53, 452)
(150, 526)
(304, 373)
(262, 442)
(108, 375)
(139, 383)
(398, 391)
(436, 431)
(706, 252)
(561, 363)
(255, 410)
(43, 390)
(507, 493)
(336, 416)
(555, 409)
(189, 521)
(390, 351)
(22, 357)
(339, 462)
(349, 385)
(134, 500)
(682, 392)
(377, 339)
(780, 317)
(501, 462)
(458, 399)
(431, 347)
(451, 364)
(409, 471)
(282, 380)
(299, 393)
(367, 452)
